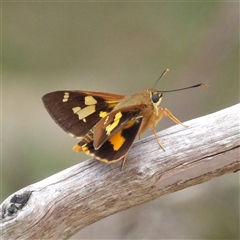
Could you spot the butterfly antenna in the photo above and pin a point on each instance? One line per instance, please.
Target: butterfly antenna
(164, 72)
(179, 89)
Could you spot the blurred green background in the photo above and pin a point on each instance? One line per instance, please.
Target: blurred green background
(120, 47)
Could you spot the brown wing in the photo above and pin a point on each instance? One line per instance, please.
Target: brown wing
(114, 148)
(76, 112)
(113, 122)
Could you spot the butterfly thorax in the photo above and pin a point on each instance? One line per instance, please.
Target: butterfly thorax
(143, 99)
(145, 104)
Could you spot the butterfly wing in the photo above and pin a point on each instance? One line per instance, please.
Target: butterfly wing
(113, 122)
(76, 112)
(116, 146)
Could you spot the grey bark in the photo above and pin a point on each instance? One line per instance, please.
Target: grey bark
(59, 206)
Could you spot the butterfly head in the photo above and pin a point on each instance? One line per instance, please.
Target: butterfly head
(156, 97)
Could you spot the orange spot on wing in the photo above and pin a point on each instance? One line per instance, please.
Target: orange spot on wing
(129, 124)
(77, 148)
(117, 140)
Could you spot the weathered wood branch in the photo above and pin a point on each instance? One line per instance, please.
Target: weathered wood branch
(59, 206)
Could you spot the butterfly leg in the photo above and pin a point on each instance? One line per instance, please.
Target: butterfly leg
(154, 131)
(165, 112)
(161, 113)
(123, 161)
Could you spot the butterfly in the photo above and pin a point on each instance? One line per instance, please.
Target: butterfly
(107, 124)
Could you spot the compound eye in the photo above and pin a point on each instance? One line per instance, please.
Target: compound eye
(155, 97)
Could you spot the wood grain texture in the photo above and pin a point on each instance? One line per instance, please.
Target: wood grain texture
(61, 205)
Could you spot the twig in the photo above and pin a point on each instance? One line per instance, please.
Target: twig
(59, 206)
